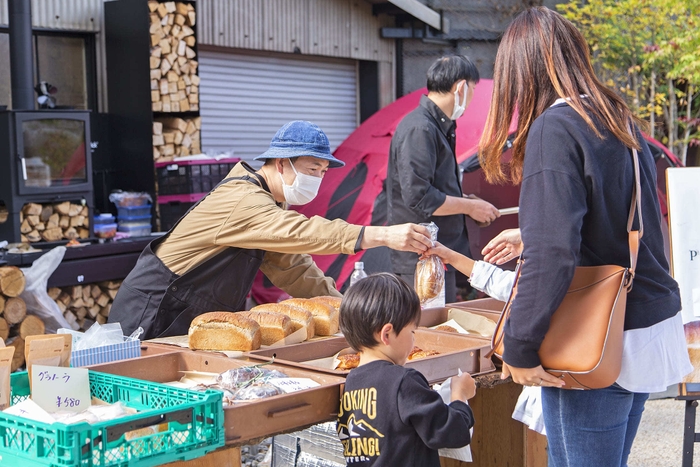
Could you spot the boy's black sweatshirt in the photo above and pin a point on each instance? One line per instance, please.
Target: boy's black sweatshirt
(389, 416)
(574, 203)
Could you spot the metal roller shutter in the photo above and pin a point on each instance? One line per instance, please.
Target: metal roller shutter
(245, 99)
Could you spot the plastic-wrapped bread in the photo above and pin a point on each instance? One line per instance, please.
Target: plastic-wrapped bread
(300, 318)
(326, 317)
(273, 326)
(222, 330)
(429, 278)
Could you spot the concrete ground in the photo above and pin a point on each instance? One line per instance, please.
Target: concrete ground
(659, 441)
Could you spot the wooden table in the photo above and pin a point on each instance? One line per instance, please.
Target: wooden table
(499, 441)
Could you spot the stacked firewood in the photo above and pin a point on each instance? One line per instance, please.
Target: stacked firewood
(83, 305)
(53, 222)
(15, 323)
(174, 79)
(175, 137)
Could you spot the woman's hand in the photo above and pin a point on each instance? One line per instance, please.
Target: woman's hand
(531, 376)
(503, 247)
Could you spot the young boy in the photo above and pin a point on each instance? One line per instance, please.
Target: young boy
(389, 415)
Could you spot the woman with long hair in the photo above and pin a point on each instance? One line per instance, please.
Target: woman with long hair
(572, 156)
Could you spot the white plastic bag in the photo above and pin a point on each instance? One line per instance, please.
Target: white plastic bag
(464, 453)
(38, 301)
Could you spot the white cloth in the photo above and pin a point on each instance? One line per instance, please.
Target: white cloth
(528, 409)
(654, 358)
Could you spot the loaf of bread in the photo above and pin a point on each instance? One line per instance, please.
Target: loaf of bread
(328, 300)
(429, 279)
(326, 318)
(300, 318)
(273, 326)
(221, 330)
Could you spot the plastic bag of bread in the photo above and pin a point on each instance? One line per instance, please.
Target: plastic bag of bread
(429, 280)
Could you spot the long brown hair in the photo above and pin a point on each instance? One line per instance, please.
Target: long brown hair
(542, 57)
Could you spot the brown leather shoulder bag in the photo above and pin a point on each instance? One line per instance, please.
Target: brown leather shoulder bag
(583, 344)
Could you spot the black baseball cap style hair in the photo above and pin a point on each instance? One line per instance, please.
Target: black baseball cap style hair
(371, 303)
(448, 70)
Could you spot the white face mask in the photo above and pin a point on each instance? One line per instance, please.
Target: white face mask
(303, 190)
(458, 109)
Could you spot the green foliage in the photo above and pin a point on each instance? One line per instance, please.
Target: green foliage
(649, 51)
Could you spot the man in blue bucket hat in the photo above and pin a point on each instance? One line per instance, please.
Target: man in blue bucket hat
(208, 260)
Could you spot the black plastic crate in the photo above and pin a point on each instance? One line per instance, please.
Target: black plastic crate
(173, 207)
(198, 176)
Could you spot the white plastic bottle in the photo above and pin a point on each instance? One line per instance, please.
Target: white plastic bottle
(358, 273)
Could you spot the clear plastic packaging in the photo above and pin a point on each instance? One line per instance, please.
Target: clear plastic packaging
(124, 212)
(130, 198)
(429, 280)
(135, 230)
(105, 230)
(104, 219)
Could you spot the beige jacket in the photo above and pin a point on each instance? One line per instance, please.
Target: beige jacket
(241, 214)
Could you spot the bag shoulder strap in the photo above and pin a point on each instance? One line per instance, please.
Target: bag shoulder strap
(635, 236)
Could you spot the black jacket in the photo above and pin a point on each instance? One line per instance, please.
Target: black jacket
(422, 171)
(574, 203)
(389, 416)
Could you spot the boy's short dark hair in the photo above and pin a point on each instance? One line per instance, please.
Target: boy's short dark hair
(448, 70)
(373, 302)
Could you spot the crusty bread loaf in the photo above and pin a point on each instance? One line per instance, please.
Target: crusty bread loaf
(273, 326)
(328, 300)
(428, 279)
(300, 318)
(348, 361)
(326, 318)
(222, 330)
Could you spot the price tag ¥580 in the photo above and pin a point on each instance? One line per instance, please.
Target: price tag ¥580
(60, 388)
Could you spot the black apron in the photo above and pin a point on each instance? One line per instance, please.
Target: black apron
(164, 303)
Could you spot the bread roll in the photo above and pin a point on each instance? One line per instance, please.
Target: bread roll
(445, 327)
(328, 300)
(300, 318)
(326, 318)
(429, 279)
(221, 330)
(348, 361)
(273, 326)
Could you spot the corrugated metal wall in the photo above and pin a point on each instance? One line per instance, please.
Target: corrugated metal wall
(71, 15)
(334, 28)
(245, 98)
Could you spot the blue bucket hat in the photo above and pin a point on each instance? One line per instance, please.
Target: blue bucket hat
(299, 139)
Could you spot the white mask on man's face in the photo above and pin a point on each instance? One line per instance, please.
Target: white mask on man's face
(458, 109)
(303, 190)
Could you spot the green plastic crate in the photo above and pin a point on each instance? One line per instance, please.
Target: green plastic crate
(195, 426)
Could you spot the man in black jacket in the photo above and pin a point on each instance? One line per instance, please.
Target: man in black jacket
(423, 182)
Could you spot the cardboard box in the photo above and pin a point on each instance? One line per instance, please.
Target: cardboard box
(252, 420)
(457, 351)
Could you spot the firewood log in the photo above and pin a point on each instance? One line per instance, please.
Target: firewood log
(4, 329)
(15, 310)
(31, 326)
(12, 281)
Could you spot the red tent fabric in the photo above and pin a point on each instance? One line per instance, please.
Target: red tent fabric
(349, 192)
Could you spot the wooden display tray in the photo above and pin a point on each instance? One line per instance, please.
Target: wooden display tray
(249, 421)
(457, 351)
(487, 304)
(435, 316)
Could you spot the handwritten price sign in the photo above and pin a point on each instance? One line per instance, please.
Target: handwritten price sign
(60, 388)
